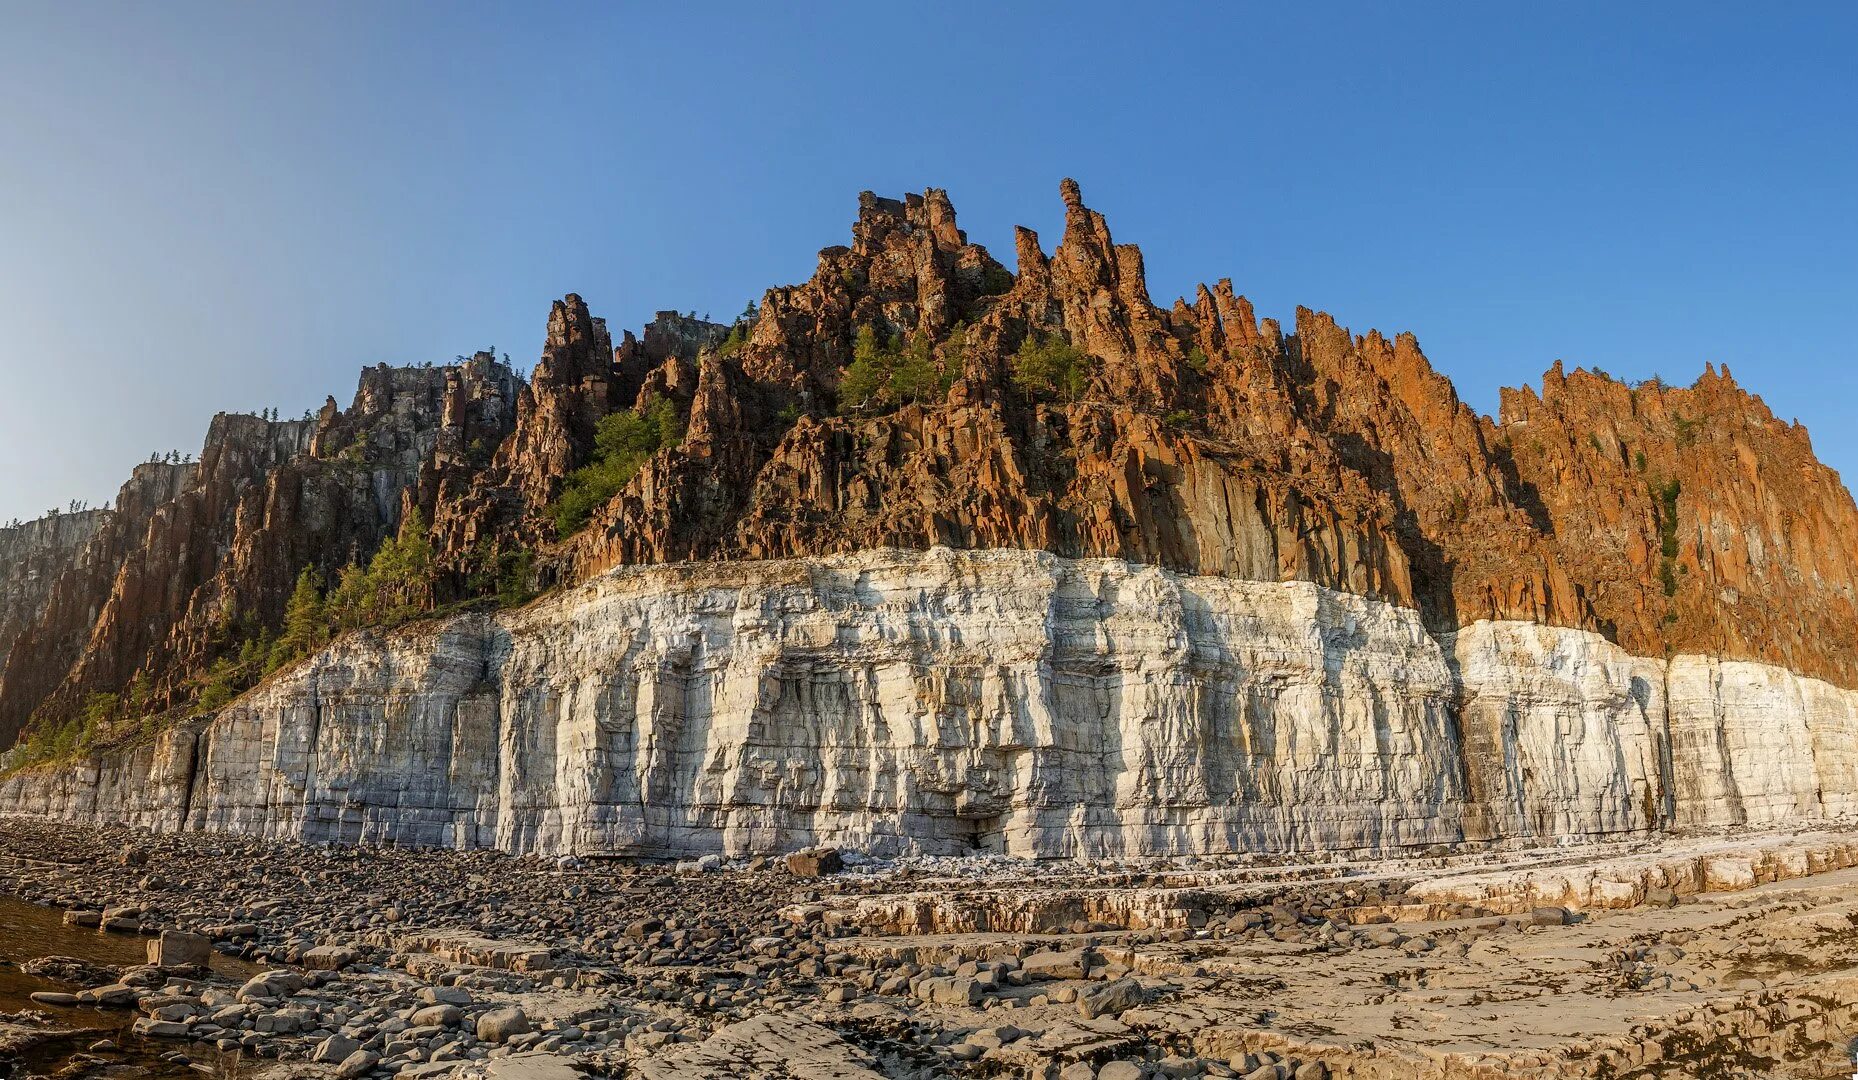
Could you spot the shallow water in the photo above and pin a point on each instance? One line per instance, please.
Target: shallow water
(28, 931)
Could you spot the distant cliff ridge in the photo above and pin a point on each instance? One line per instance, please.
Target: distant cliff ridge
(914, 393)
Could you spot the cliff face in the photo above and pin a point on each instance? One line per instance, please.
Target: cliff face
(32, 557)
(950, 701)
(54, 634)
(1653, 531)
(769, 469)
(1207, 440)
(194, 553)
(1701, 523)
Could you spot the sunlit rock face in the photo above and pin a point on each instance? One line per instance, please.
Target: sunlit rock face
(1561, 734)
(948, 701)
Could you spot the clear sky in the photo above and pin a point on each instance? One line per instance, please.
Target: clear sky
(235, 206)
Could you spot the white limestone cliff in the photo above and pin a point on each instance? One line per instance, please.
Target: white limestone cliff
(944, 701)
(1561, 733)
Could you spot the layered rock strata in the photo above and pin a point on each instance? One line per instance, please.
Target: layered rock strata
(945, 701)
(1200, 583)
(1194, 436)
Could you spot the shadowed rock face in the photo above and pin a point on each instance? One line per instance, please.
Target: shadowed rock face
(56, 622)
(33, 555)
(1202, 439)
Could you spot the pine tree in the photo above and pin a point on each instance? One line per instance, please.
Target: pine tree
(866, 378)
(306, 620)
(349, 599)
(405, 576)
(141, 693)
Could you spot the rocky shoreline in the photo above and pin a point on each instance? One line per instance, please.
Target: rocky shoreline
(365, 963)
(376, 962)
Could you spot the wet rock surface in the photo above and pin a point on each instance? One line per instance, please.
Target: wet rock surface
(371, 963)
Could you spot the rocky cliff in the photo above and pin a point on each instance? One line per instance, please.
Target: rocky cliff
(1698, 522)
(949, 701)
(33, 555)
(193, 556)
(1648, 552)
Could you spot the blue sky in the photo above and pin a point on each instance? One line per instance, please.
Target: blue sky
(236, 206)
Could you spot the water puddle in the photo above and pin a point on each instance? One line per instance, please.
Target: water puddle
(27, 932)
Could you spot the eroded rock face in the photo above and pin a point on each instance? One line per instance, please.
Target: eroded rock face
(1210, 441)
(192, 549)
(1762, 540)
(55, 632)
(33, 555)
(1563, 734)
(1004, 700)
(1383, 621)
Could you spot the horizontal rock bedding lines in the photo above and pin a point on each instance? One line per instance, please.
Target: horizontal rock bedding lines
(946, 701)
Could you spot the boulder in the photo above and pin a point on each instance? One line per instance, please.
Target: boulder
(231, 931)
(329, 958)
(271, 984)
(179, 949)
(1110, 999)
(501, 1025)
(815, 862)
(950, 990)
(1053, 964)
(159, 1029)
(438, 1016)
(445, 995)
(334, 1050)
(114, 996)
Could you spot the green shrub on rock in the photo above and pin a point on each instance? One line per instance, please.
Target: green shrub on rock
(1048, 364)
(623, 443)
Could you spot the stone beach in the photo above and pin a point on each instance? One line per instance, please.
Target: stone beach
(374, 963)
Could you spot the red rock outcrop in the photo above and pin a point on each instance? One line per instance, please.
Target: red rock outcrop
(767, 469)
(1210, 441)
(1699, 521)
(195, 555)
(1196, 436)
